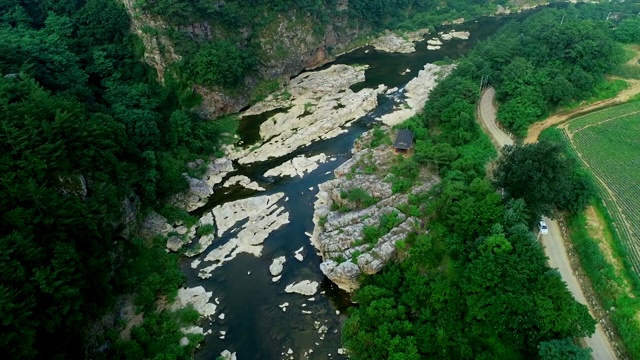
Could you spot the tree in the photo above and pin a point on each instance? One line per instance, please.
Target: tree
(564, 349)
(540, 175)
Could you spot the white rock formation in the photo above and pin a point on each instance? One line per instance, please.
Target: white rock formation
(433, 47)
(298, 166)
(264, 216)
(321, 105)
(463, 35)
(417, 93)
(198, 297)
(243, 181)
(298, 254)
(227, 355)
(336, 234)
(434, 41)
(305, 287)
(200, 189)
(192, 330)
(393, 43)
(277, 266)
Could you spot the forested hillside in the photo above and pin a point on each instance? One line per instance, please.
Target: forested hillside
(90, 140)
(86, 134)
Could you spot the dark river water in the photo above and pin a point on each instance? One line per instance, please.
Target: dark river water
(256, 327)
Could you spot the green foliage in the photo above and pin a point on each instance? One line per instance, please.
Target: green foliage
(158, 337)
(604, 90)
(355, 255)
(174, 214)
(543, 63)
(563, 349)
(84, 126)
(371, 234)
(359, 197)
(477, 285)
(539, 174)
(379, 137)
(403, 174)
(628, 30)
(206, 229)
(616, 288)
(217, 64)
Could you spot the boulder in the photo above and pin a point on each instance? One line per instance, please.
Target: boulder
(277, 266)
(305, 287)
(174, 243)
(393, 43)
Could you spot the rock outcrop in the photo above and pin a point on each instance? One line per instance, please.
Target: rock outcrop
(288, 44)
(263, 215)
(298, 166)
(393, 43)
(320, 105)
(197, 297)
(200, 189)
(159, 51)
(417, 93)
(338, 235)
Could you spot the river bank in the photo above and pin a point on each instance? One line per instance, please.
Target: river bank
(266, 210)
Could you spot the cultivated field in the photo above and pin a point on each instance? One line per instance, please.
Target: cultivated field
(608, 141)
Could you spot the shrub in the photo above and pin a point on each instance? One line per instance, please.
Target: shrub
(206, 229)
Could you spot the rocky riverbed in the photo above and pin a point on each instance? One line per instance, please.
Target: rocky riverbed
(319, 105)
(417, 93)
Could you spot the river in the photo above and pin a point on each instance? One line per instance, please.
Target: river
(256, 327)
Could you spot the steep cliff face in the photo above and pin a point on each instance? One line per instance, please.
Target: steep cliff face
(287, 45)
(158, 49)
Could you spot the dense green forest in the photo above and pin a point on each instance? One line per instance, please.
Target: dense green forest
(85, 129)
(476, 285)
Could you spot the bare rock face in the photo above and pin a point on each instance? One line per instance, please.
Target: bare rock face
(393, 43)
(339, 235)
(320, 104)
(417, 92)
(200, 189)
(174, 243)
(198, 297)
(287, 45)
(159, 50)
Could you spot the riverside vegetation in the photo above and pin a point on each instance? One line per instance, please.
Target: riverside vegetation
(476, 283)
(87, 133)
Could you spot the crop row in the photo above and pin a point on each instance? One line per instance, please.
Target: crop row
(612, 151)
(608, 113)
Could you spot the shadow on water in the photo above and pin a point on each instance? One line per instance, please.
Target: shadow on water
(255, 324)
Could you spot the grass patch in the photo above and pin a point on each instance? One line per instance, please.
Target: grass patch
(403, 175)
(371, 234)
(607, 89)
(608, 283)
(175, 215)
(264, 89)
(379, 137)
(359, 197)
(206, 229)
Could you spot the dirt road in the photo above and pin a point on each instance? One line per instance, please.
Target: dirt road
(553, 243)
(624, 96)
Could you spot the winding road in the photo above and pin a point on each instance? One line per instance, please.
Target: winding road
(553, 243)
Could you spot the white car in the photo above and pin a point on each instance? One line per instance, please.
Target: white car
(544, 230)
